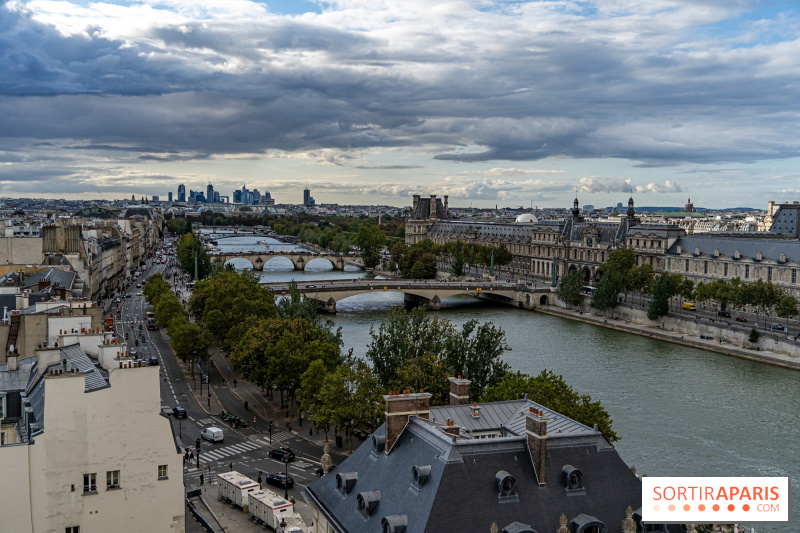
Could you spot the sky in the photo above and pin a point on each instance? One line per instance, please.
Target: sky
(510, 103)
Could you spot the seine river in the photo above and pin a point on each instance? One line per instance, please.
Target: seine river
(678, 411)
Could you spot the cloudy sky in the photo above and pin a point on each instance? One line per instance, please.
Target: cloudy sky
(370, 101)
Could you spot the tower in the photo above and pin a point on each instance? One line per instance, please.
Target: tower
(181, 192)
(576, 211)
(631, 210)
(210, 193)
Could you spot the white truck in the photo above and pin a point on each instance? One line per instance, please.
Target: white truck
(269, 509)
(234, 488)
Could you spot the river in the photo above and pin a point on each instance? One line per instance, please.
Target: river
(678, 411)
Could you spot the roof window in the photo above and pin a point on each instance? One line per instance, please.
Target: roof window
(506, 486)
(345, 481)
(368, 501)
(394, 524)
(421, 474)
(573, 478)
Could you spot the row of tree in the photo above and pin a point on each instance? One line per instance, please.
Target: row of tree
(621, 274)
(419, 260)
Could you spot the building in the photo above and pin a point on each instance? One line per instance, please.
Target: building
(84, 445)
(308, 200)
(511, 466)
(210, 198)
(181, 192)
(169, 197)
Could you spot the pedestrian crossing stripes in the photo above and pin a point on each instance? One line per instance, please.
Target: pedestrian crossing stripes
(219, 453)
(279, 436)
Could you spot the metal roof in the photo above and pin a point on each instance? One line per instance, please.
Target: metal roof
(77, 358)
(17, 381)
(747, 246)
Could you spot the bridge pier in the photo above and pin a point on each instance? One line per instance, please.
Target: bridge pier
(413, 300)
(327, 307)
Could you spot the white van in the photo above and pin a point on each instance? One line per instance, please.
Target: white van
(213, 434)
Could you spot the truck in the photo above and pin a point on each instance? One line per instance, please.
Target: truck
(269, 509)
(235, 487)
(151, 320)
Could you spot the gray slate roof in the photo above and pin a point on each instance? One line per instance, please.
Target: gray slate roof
(17, 381)
(460, 494)
(748, 246)
(77, 358)
(55, 275)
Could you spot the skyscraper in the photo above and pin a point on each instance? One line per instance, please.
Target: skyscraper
(181, 192)
(210, 193)
(307, 198)
(169, 196)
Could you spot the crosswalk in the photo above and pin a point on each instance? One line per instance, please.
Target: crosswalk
(216, 454)
(192, 476)
(277, 435)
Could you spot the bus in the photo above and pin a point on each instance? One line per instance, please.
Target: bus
(151, 320)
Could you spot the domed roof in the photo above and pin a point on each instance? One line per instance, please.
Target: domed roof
(526, 218)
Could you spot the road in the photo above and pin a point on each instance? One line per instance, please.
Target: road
(242, 450)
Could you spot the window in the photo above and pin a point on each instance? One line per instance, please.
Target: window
(794, 275)
(686, 266)
(162, 471)
(2, 406)
(705, 267)
(73, 529)
(746, 271)
(112, 479)
(2, 438)
(89, 483)
(769, 273)
(726, 269)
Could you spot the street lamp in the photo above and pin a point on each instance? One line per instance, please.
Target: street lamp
(286, 474)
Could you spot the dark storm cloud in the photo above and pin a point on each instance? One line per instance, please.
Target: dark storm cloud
(523, 82)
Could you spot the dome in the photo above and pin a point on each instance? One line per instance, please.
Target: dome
(526, 218)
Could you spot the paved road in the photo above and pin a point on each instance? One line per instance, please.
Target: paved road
(242, 450)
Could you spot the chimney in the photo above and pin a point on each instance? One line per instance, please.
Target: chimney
(475, 410)
(399, 407)
(43, 284)
(445, 205)
(459, 391)
(451, 428)
(536, 432)
(414, 206)
(12, 359)
(433, 214)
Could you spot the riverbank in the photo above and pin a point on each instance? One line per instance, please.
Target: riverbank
(676, 337)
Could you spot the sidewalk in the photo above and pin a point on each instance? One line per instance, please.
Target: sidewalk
(764, 356)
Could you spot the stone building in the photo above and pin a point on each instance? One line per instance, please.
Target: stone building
(425, 212)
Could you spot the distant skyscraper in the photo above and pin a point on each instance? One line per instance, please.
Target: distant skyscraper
(155, 198)
(237, 197)
(210, 193)
(169, 197)
(307, 198)
(181, 192)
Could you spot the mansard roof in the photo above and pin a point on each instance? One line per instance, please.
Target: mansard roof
(747, 246)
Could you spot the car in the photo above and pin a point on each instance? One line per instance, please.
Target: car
(138, 285)
(153, 361)
(179, 412)
(723, 314)
(213, 434)
(311, 286)
(117, 300)
(280, 479)
(318, 471)
(775, 325)
(281, 453)
(741, 319)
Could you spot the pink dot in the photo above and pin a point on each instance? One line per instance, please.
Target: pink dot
(671, 507)
(656, 508)
(716, 507)
(746, 507)
(731, 507)
(686, 507)
(702, 507)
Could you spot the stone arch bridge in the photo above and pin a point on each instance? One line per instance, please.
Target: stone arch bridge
(421, 292)
(299, 259)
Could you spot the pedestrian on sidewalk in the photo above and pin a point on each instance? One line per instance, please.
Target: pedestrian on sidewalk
(231, 466)
(202, 480)
(234, 382)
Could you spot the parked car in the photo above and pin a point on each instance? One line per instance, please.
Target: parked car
(280, 479)
(318, 471)
(179, 412)
(213, 434)
(724, 314)
(775, 325)
(689, 306)
(741, 319)
(153, 361)
(282, 452)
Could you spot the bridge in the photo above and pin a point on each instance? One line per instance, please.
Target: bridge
(420, 292)
(299, 259)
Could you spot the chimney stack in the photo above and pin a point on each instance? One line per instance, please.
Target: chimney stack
(432, 214)
(12, 359)
(451, 428)
(414, 206)
(459, 391)
(536, 432)
(399, 407)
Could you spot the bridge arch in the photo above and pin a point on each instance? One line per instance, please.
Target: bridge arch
(544, 300)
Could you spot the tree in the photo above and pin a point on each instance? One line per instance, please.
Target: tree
(475, 352)
(154, 288)
(787, 307)
(659, 305)
(606, 294)
(370, 239)
(457, 259)
(622, 260)
(168, 309)
(189, 341)
(426, 372)
(351, 399)
(641, 278)
(569, 290)
(308, 396)
(551, 391)
(397, 252)
(189, 248)
(754, 335)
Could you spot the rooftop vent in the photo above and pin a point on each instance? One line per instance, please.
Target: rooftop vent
(518, 527)
(368, 501)
(506, 485)
(345, 481)
(421, 474)
(378, 443)
(394, 524)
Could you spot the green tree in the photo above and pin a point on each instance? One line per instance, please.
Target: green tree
(787, 307)
(551, 391)
(641, 279)
(457, 259)
(351, 399)
(754, 335)
(622, 260)
(370, 239)
(189, 248)
(659, 305)
(426, 372)
(308, 396)
(476, 352)
(606, 294)
(168, 309)
(188, 341)
(154, 288)
(569, 290)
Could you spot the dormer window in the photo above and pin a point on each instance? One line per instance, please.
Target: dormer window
(345, 481)
(394, 524)
(420, 474)
(378, 444)
(368, 501)
(573, 478)
(506, 486)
